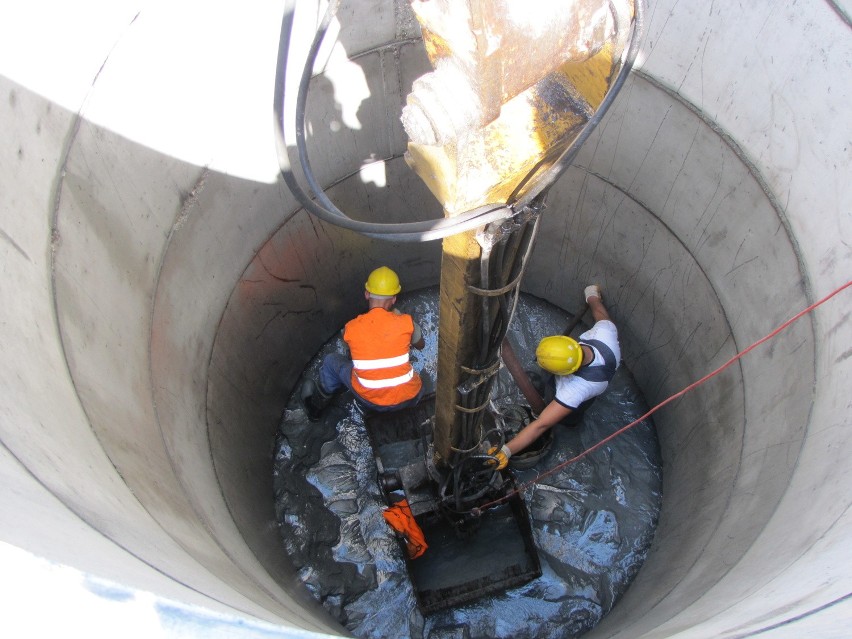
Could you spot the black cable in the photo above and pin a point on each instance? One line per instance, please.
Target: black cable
(512, 250)
(505, 251)
(545, 180)
(506, 254)
(404, 232)
(414, 231)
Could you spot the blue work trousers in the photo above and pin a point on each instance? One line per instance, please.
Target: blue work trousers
(336, 374)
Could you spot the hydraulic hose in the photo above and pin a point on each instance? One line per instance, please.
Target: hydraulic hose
(404, 232)
(412, 231)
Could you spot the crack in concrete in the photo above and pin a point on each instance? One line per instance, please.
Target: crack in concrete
(14, 244)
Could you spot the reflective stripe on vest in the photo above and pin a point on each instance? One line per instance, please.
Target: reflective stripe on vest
(379, 342)
(385, 383)
(374, 364)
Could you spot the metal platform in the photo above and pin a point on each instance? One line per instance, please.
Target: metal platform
(455, 569)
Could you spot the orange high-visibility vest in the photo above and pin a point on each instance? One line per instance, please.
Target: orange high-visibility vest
(378, 344)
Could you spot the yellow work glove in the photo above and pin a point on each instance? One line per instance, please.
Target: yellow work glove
(501, 456)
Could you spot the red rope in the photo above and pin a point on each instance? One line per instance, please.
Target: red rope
(677, 395)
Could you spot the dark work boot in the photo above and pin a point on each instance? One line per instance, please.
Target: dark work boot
(314, 399)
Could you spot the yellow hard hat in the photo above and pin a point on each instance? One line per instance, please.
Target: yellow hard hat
(559, 354)
(383, 282)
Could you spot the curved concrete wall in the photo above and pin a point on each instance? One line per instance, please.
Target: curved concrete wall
(162, 292)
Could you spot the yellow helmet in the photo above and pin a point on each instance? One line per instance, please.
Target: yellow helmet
(559, 354)
(383, 282)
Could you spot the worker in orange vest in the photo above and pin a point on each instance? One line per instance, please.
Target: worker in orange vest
(379, 372)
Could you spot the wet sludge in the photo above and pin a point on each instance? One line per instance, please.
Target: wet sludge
(593, 520)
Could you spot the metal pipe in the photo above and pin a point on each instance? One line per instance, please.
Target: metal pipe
(516, 370)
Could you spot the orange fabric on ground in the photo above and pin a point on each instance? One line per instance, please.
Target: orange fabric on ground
(399, 518)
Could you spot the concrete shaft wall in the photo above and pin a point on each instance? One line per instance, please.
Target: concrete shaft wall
(162, 291)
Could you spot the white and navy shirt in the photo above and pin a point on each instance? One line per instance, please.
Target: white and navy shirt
(591, 380)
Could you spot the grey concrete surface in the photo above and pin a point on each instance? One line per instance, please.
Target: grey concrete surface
(162, 291)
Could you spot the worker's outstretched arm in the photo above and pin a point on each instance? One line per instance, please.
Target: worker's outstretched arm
(552, 414)
(595, 301)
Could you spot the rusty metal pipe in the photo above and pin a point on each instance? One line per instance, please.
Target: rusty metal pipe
(516, 370)
(513, 365)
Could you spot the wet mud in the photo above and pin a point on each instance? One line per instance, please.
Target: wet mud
(593, 520)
